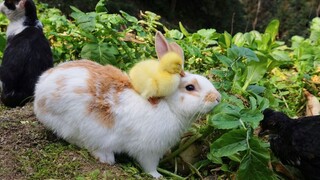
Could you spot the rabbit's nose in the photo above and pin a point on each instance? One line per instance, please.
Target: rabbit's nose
(211, 97)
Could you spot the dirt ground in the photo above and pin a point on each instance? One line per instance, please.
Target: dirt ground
(29, 151)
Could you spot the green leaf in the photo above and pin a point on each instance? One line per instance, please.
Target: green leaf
(256, 89)
(254, 73)
(206, 33)
(86, 22)
(227, 38)
(235, 52)
(102, 53)
(175, 34)
(315, 30)
(224, 121)
(279, 55)
(251, 116)
(183, 30)
(225, 116)
(238, 39)
(74, 9)
(230, 143)
(128, 17)
(254, 165)
(272, 29)
(224, 59)
(101, 7)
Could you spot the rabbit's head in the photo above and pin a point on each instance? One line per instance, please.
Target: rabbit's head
(195, 95)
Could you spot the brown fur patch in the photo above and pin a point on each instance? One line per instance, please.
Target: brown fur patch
(61, 83)
(80, 90)
(210, 97)
(42, 104)
(102, 81)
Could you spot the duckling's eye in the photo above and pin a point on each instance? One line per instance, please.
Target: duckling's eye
(190, 87)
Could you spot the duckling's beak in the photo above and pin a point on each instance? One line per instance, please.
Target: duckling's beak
(182, 74)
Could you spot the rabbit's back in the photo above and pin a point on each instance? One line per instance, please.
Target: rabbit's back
(71, 99)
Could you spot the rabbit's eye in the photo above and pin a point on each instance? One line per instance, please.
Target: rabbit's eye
(190, 87)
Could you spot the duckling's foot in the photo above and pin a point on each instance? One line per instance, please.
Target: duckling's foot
(154, 100)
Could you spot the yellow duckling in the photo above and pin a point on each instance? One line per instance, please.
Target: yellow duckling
(152, 78)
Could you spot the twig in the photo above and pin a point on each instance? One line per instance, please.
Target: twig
(256, 18)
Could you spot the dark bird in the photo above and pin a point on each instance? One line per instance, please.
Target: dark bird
(294, 142)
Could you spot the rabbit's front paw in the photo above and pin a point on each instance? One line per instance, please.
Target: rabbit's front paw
(155, 174)
(104, 157)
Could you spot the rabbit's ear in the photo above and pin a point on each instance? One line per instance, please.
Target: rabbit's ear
(161, 44)
(176, 48)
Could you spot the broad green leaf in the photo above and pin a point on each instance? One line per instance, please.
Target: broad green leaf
(238, 103)
(230, 143)
(86, 22)
(251, 116)
(315, 30)
(254, 73)
(238, 39)
(206, 33)
(272, 29)
(101, 6)
(235, 52)
(102, 53)
(224, 121)
(280, 55)
(222, 73)
(262, 102)
(227, 38)
(256, 35)
(254, 165)
(224, 59)
(256, 89)
(128, 17)
(265, 42)
(175, 34)
(253, 102)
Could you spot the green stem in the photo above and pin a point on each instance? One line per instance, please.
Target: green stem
(247, 138)
(243, 125)
(182, 148)
(168, 173)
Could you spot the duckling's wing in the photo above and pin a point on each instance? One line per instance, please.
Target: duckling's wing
(150, 89)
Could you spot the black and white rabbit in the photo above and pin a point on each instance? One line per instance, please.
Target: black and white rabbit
(27, 54)
(96, 107)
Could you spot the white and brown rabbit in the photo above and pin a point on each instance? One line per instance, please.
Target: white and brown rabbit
(95, 107)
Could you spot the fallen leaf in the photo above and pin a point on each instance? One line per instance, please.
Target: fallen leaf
(313, 104)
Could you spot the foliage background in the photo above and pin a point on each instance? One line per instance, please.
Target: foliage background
(230, 15)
